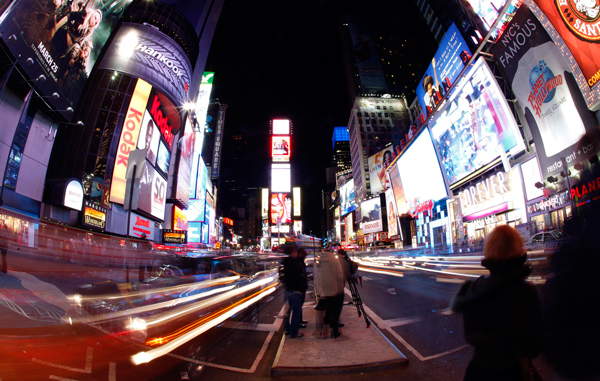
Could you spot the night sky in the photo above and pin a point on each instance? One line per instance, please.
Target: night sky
(283, 59)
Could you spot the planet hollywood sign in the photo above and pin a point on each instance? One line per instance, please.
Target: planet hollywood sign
(549, 203)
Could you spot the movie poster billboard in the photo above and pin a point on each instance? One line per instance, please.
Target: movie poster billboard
(281, 208)
(347, 197)
(371, 216)
(371, 74)
(574, 28)
(447, 63)
(392, 213)
(474, 125)
(547, 94)
(377, 166)
(60, 41)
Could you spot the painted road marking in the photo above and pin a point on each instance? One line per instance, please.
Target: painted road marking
(112, 371)
(61, 378)
(88, 363)
(382, 324)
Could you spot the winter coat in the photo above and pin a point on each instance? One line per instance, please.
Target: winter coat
(501, 315)
(294, 275)
(329, 275)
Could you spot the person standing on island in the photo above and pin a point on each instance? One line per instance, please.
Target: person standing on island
(294, 279)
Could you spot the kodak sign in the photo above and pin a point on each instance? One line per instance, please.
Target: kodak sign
(129, 138)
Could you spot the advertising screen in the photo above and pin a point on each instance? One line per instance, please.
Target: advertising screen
(371, 216)
(174, 236)
(149, 138)
(400, 201)
(443, 70)
(574, 29)
(377, 165)
(281, 178)
(280, 148)
(63, 40)
(392, 214)
(141, 227)
(471, 126)
(298, 227)
(547, 94)
(129, 137)
(200, 181)
(531, 175)
(94, 215)
(281, 127)
(180, 221)
(184, 169)
(164, 158)
(489, 10)
(420, 158)
(194, 232)
(349, 227)
(264, 201)
(153, 193)
(297, 205)
(281, 208)
(347, 198)
(195, 211)
(203, 101)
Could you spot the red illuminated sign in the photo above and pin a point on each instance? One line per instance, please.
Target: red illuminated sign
(281, 148)
(281, 208)
(416, 207)
(228, 221)
(161, 120)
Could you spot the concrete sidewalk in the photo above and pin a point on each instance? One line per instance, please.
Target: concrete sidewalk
(359, 349)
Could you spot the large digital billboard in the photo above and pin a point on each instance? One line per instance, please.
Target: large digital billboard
(153, 193)
(196, 210)
(418, 159)
(548, 95)
(377, 166)
(347, 197)
(164, 158)
(129, 138)
(392, 214)
(448, 62)
(281, 178)
(531, 175)
(371, 216)
(60, 41)
(281, 208)
(264, 201)
(184, 168)
(573, 26)
(471, 126)
(281, 127)
(488, 12)
(400, 200)
(297, 204)
(149, 138)
(281, 148)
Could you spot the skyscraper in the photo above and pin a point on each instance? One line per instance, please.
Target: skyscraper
(341, 148)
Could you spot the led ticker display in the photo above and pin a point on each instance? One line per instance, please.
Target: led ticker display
(281, 127)
(281, 178)
(474, 125)
(281, 148)
(281, 208)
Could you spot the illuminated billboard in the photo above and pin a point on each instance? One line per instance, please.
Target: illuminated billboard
(194, 234)
(184, 170)
(473, 124)
(281, 127)
(573, 26)
(531, 175)
(347, 198)
(149, 138)
(153, 193)
(281, 148)
(297, 205)
(164, 158)
(547, 94)
(377, 165)
(201, 110)
(180, 221)
(400, 201)
(196, 210)
(60, 41)
(448, 62)
(418, 159)
(371, 216)
(281, 178)
(281, 208)
(298, 227)
(489, 10)
(264, 202)
(129, 137)
(391, 213)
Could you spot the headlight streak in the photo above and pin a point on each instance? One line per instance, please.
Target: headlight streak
(144, 357)
(385, 272)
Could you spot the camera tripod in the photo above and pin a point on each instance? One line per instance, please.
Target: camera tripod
(356, 300)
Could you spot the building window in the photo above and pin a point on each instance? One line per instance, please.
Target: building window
(384, 107)
(385, 114)
(379, 114)
(378, 108)
(393, 115)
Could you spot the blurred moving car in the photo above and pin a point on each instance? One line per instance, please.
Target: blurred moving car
(551, 239)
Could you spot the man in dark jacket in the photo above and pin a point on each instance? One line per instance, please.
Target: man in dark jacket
(294, 279)
(501, 313)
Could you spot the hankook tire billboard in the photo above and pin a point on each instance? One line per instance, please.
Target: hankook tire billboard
(146, 53)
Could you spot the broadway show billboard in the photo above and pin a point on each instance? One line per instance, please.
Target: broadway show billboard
(63, 39)
(547, 94)
(574, 27)
(448, 62)
(371, 216)
(377, 165)
(474, 125)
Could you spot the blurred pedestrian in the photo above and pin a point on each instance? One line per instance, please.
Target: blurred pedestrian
(294, 279)
(4, 245)
(501, 312)
(302, 254)
(331, 275)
